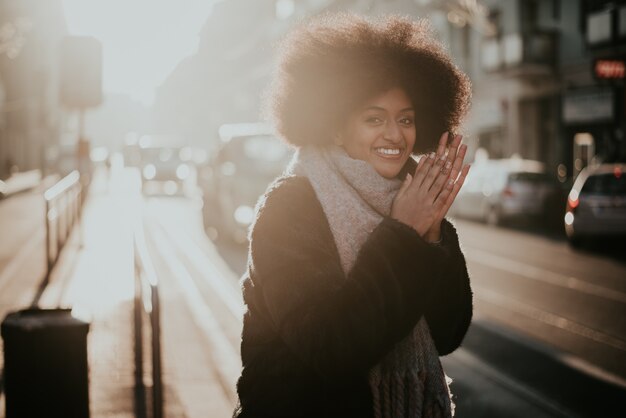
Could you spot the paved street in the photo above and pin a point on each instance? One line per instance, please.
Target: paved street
(548, 325)
(549, 322)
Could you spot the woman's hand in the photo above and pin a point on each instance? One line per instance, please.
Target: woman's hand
(456, 154)
(424, 198)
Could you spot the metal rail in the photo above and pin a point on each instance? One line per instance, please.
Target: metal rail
(146, 303)
(63, 210)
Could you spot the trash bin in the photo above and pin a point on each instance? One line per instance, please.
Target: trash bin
(45, 364)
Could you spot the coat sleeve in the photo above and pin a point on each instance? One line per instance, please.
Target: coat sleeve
(337, 326)
(450, 317)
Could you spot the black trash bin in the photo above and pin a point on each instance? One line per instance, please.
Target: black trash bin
(45, 364)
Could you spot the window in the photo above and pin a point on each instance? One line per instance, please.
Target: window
(609, 184)
(556, 10)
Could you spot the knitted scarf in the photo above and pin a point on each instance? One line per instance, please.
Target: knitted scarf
(409, 381)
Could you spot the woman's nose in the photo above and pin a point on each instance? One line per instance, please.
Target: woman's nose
(392, 131)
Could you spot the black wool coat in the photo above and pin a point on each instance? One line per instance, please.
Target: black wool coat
(310, 335)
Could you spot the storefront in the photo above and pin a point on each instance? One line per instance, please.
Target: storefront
(593, 126)
(594, 114)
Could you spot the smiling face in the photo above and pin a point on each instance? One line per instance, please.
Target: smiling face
(381, 132)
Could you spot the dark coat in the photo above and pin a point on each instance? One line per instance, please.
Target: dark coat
(310, 335)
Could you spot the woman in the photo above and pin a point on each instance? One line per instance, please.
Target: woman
(356, 283)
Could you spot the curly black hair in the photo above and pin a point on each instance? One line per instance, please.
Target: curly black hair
(332, 64)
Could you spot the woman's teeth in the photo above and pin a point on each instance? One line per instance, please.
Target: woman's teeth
(388, 151)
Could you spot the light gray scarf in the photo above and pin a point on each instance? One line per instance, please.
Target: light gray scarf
(409, 382)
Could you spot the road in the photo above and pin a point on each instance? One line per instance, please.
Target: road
(549, 320)
(548, 337)
(570, 299)
(558, 310)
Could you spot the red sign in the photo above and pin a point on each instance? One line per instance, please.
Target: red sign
(610, 69)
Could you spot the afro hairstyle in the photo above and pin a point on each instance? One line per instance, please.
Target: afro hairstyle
(329, 66)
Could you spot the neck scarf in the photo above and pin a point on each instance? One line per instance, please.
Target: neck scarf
(409, 381)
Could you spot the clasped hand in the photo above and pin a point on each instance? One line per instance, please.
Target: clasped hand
(425, 197)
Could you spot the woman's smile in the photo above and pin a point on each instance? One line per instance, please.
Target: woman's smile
(382, 132)
(392, 153)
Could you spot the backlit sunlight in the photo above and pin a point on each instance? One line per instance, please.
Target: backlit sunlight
(142, 40)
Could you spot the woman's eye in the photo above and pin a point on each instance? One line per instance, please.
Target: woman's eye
(406, 121)
(373, 119)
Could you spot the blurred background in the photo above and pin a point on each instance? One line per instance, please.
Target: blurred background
(156, 106)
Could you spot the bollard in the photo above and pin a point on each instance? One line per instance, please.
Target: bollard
(45, 364)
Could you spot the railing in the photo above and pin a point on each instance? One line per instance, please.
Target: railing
(63, 209)
(146, 304)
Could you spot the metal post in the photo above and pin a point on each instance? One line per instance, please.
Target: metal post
(140, 390)
(157, 395)
(146, 280)
(63, 217)
(81, 129)
(60, 214)
(71, 207)
(58, 229)
(79, 214)
(48, 249)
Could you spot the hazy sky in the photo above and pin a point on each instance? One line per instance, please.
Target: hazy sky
(142, 40)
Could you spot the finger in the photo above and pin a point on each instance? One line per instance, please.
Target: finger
(457, 186)
(450, 159)
(448, 194)
(433, 173)
(423, 159)
(458, 162)
(462, 176)
(421, 162)
(443, 143)
(422, 170)
(440, 180)
(454, 147)
(442, 198)
(405, 184)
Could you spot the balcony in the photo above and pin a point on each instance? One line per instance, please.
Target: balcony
(520, 54)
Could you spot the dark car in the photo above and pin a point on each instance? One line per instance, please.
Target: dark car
(596, 205)
(247, 161)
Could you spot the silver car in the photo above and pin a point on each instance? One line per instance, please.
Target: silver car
(596, 205)
(503, 189)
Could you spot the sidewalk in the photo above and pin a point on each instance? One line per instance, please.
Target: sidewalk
(95, 277)
(97, 282)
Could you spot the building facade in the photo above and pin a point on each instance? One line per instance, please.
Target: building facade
(30, 31)
(535, 93)
(594, 111)
(516, 80)
(225, 81)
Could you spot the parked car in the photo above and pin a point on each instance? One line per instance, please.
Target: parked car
(164, 171)
(596, 205)
(249, 158)
(504, 189)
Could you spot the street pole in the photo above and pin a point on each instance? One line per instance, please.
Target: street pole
(81, 129)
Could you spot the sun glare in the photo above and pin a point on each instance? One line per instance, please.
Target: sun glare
(142, 40)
